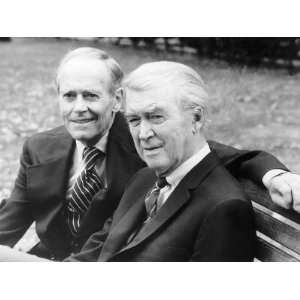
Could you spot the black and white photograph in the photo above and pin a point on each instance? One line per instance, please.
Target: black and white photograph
(172, 155)
(150, 149)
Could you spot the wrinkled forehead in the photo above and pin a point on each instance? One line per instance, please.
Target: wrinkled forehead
(150, 100)
(80, 69)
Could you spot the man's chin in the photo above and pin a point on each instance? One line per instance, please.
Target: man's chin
(156, 165)
(85, 138)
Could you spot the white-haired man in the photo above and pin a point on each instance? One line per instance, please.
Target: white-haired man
(185, 206)
(72, 177)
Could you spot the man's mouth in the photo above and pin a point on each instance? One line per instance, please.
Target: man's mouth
(83, 121)
(151, 149)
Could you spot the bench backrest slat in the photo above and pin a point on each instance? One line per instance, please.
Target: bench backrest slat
(266, 251)
(278, 229)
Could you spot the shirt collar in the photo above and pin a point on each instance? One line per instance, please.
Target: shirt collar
(175, 177)
(101, 144)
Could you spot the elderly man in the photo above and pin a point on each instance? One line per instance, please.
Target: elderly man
(71, 178)
(185, 206)
(74, 174)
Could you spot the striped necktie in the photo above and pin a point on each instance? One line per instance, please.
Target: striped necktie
(151, 200)
(87, 184)
(151, 203)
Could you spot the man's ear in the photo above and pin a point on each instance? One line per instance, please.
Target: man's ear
(119, 99)
(198, 120)
(197, 117)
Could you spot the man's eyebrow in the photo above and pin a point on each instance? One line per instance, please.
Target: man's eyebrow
(84, 91)
(150, 110)
(156, 110)
(65, 91)
(95, 91)
(130, 114)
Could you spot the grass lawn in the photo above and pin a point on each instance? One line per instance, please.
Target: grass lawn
(250, 108)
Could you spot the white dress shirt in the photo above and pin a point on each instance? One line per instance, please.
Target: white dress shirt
(78, 164)
(177, 175)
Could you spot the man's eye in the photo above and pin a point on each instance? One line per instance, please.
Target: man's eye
(156, 118)
(90, 96)
(133, 121)
(69, 96)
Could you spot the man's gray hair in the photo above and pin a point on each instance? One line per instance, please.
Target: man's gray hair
(112, 65)
(186, 83)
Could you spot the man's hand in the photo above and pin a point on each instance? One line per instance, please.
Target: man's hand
(284, 190)
(9, 254)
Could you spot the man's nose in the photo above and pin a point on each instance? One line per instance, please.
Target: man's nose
(146, 130)
(80, 104)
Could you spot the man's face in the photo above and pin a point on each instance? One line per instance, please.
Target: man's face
(161, 130)
(85, 102)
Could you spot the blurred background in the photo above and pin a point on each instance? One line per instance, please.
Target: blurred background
(253, 85)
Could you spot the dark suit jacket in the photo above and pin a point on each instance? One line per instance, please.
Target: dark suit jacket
(39, 193)
(40, 188)
(206, 218)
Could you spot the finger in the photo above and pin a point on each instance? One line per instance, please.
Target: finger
(281, 193)
(293, 180)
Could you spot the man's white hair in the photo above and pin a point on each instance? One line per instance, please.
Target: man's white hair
(186, 83)
(112, 65)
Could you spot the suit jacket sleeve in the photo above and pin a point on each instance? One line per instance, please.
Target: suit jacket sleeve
(15, 212)
(93, 246)
(246, 164)
(227, 234)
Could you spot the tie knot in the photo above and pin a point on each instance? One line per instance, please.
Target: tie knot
(161, 182)
(90, 155)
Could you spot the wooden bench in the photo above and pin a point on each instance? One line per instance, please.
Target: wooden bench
(278, 229)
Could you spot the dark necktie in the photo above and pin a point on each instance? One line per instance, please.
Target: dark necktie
(87, 184)
(151, 203)
(152, 197)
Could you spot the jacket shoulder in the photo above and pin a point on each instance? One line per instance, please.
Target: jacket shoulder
(53, 133)
(48, 144)
(223, 187)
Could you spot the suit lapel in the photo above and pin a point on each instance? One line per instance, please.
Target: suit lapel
(179, 198)
(126, 226)
(120, 159)
(126, 219)
(120, 154)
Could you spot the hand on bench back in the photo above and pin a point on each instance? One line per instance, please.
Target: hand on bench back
(284, 190)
